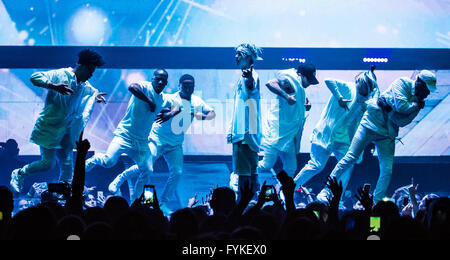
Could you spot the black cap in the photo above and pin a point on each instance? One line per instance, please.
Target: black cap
(309, 71)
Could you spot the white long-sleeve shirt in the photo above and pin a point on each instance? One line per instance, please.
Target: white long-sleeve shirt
(285, 122)
(400, 97)
(62, 114)
(337, 125)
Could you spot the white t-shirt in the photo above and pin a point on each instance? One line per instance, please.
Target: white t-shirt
(284, 121)
(172, 132)
(138, 120)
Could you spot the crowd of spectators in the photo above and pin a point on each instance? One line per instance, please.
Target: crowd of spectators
(221, 217)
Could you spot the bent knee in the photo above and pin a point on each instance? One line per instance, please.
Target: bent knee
(47, 165)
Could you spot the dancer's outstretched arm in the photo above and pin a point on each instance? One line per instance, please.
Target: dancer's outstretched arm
(334, 86)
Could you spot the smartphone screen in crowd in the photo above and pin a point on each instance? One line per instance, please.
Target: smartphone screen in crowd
(375, 224)
(270, 191)
(149, 193)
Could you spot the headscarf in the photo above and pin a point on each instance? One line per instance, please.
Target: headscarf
(250, 50)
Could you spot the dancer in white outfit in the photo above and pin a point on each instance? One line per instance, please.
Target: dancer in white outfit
(338, 123)
(132, 132)
(287, 117)
(68, 107)
(395, 108)
(166, 139)
(245, 129)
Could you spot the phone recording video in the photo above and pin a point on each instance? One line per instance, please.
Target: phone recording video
(149, 194)
(375, 224)
(270, 191)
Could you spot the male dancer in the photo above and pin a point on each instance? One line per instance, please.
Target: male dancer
(132, 132)
(68, 107)
(166, 139)
(287, 117)
(395, 108)
(245, 128)
(337, 126)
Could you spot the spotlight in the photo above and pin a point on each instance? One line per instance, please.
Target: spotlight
(134, 77)
(90, 26)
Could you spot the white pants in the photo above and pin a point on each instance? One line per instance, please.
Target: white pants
(174, 158)
(289, 159)
(48, 159)
(318, 161)
(139, 152)
(385, 149)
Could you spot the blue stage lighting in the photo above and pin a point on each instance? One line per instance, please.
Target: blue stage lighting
(379, 60)
(300, 60)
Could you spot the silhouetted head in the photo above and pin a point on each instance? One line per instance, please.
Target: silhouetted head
(35, 223)
(10, 149)
(183, 224)
(159, 80)
(223, 201)
(88, 61)
(387, 209)
(116, 207)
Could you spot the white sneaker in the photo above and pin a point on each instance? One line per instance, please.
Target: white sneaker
(17, 181)
(113, 187)
(234, 182)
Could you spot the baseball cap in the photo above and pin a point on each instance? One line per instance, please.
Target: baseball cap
(429, 78)
(309, 71)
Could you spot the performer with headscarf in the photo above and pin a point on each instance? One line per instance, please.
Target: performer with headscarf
(245, 127)
(395, 108)
(68, 107)
(338, 123)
